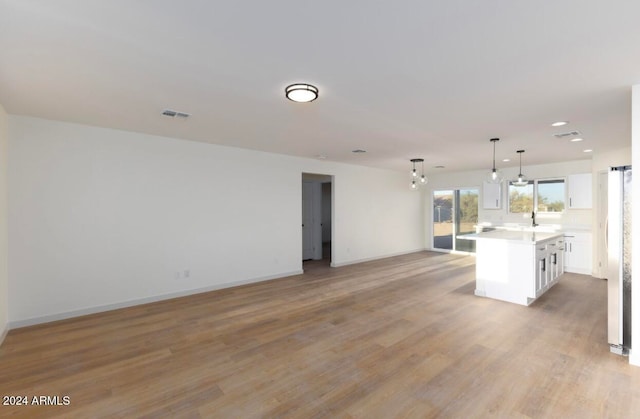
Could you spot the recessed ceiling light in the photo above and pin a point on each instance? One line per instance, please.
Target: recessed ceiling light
(301, 92)
(358, 151)
(438, 167)
(588, 150)
(321, 156)
(505, 160)
(575, 140)
(559, 123)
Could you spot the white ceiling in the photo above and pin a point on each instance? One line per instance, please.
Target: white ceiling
(400, 79)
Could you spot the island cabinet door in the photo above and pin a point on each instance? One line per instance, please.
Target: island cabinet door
(560, 256)
(542, 269)
(555, 262)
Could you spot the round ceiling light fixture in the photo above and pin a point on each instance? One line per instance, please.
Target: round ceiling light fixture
(559, 123)
(301, 92)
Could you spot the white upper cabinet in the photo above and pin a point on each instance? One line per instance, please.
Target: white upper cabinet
(491, 195)
(579, 189)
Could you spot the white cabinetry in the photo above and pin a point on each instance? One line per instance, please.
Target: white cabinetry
(577, 252)
(491, 195)
(517, 266)
(549, 264)
(580, 191)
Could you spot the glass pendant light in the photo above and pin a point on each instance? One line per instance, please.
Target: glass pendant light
(423, 180)
(416, 180)
(522, 179)
(494, 176)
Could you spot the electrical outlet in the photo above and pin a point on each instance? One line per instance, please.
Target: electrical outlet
(187, 273)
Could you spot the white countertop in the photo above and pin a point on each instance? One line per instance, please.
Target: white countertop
(546, 228)
(531, 237)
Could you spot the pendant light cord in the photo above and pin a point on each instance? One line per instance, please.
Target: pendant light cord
(494, 155)
(520, 153)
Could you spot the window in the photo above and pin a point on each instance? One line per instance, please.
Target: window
(455, 214)
(550, 195)
(521, 198)
(545, 195)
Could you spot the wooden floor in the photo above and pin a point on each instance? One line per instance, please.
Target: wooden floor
(399, 337)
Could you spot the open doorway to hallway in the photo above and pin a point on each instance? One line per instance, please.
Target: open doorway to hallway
(317, 204)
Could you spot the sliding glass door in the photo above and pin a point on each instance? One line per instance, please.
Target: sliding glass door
(455, 213)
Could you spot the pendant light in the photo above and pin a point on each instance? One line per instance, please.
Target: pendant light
(522, 179)
(416, 180)
(494, 176)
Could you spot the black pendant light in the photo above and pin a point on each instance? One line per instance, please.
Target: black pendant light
(522, 179)
(494, 176)
(416, 180)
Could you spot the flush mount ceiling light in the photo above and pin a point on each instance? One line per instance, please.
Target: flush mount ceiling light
(559, 123)
(301, 92)
(587, 150)
(522, 179)
(575, 140)
(494, 176)
(415, 180)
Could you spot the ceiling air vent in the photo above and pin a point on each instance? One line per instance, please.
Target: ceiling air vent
(175, 114)
(566, 134)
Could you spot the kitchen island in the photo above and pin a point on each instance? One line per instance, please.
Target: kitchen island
(517, 266)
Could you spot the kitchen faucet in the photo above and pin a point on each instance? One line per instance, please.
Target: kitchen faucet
(533, 219)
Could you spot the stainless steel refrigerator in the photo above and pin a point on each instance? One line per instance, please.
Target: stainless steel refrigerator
(619, 259)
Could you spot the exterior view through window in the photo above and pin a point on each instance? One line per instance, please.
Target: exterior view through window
(546, 195)
(455, 213)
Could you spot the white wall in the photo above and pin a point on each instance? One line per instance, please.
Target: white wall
(101, 218)
(4, 281)
(634, 357)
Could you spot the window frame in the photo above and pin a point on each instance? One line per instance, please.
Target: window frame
(535, 182)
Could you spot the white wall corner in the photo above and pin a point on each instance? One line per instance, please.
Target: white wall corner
(353, 262)
(4, 332)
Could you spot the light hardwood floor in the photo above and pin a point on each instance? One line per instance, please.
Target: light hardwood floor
(399, 337)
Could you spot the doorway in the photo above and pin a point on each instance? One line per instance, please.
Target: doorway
(455, 213)
(317, 203)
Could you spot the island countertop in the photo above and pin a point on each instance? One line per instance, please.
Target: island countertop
(531, 237)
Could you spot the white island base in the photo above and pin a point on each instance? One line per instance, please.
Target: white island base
(517, 266)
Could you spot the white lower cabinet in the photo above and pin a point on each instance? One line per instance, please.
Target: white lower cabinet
(557, 258)
(549, 264)
(577, 252)
(517, 267)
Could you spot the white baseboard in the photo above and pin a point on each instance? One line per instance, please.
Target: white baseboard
(578, 271)
(3, 333)
(353, 262)
(139, 301)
